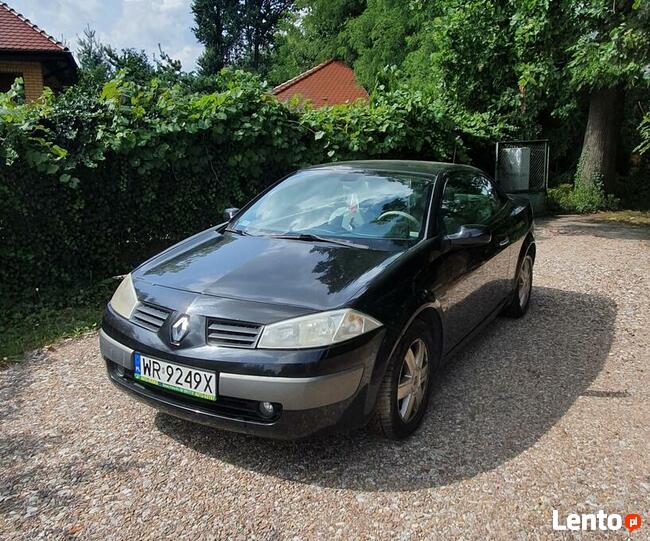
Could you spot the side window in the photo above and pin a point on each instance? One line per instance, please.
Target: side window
(468, 198)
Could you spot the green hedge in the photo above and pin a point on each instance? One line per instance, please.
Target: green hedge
(578, 199)
(91, 185)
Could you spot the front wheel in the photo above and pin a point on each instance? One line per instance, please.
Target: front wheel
(404, 393)
(521, 298)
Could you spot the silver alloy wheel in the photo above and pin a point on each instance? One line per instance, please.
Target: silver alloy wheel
(525, 281)
(413, 380)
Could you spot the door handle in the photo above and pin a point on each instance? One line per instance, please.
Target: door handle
(504, 242)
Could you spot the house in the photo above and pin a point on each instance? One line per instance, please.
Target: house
(329, 83)
(27, 51)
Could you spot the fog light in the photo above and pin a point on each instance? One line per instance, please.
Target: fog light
(119, 370)
(267, 409)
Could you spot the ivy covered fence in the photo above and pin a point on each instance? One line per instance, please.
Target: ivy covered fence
(93, 183)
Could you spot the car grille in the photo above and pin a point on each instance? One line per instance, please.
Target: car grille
(236, 334)
(149, 316)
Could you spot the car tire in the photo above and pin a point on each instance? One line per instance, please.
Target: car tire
(393, 417)
(518, 305)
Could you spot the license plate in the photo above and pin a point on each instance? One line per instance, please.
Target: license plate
(175, 377)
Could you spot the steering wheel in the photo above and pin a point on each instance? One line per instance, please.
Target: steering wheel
(401, 214)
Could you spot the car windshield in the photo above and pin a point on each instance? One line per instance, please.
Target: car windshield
(341, 203)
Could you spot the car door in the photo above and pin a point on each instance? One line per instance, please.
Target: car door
(501, 227)
(471, 279)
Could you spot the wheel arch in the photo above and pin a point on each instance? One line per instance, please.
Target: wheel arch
(381, 407)
(432, 318)
(431, 314)
(528, 247)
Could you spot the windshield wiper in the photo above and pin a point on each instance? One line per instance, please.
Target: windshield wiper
(239, 232)
(312, 237)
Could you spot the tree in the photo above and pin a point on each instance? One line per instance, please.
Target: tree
(610, 54)
(94, 69)
(99, 62)
(238, 32)
(379, 37)
(217, 29)
(543, 68)
(260, 21)
(313, 32)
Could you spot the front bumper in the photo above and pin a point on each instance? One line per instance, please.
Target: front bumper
(291, 393)
(308, 404)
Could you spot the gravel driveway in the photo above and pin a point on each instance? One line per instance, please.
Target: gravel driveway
(548, 412)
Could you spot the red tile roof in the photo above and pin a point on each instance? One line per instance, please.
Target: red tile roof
(328, 83)
(17, 33)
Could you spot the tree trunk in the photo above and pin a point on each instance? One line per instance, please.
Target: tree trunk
(598, 158)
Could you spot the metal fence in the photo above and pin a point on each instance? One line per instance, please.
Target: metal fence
(522, 166)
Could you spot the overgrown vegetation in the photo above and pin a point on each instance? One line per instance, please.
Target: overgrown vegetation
(572, 72)
(580, 199)
(91, 184)
(40, 319)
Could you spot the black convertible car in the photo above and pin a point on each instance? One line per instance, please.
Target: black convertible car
(328, 301)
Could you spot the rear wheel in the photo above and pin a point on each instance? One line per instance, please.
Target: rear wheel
(521, 299)
(404, 393)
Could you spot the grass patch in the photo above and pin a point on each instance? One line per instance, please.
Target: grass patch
(33, 323)
(630, 217)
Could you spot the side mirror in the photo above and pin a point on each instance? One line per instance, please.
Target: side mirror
(470, 236)
(229, 213)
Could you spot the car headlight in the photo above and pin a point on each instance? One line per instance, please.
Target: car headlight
(124, 299)
(316, 330)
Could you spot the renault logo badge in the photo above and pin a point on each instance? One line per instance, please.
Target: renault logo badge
(179, 329)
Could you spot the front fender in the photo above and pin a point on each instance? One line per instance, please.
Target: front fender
(431, 310)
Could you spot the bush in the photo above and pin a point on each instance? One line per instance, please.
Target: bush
(579, 199)
(558, 200)
(92, 184)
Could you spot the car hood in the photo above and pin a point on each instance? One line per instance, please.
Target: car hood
(313, 275)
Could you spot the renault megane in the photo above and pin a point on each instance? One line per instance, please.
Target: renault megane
(328, 301)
